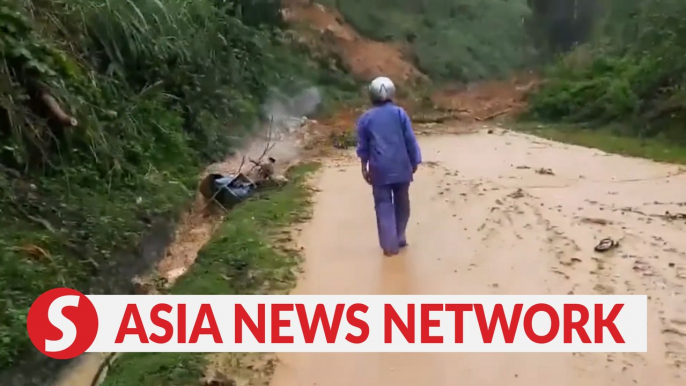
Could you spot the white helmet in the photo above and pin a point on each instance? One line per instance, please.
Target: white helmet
(381, 89)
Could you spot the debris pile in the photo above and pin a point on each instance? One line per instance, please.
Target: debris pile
(486, 101)
(545, 172)
(326, 32)
(231, 189)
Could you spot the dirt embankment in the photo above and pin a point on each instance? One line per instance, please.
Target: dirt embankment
(487, 100)
(325, 31)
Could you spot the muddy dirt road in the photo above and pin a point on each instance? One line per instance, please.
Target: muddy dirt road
(486, 220)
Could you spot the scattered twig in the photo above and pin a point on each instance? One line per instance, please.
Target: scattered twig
(440, 118)
(41, 221)
(519, 193)
(673, 216)
(38, 220)
(57, 111)
(494, 115)
(267, 148)
(544, 171)
(597, 221)
(240, 167)
(34, 251)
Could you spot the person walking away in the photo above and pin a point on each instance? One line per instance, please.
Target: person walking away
(389, 155)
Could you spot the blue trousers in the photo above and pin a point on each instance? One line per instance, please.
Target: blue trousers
(392, 205)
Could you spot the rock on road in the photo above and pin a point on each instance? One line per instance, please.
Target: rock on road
(486, 220)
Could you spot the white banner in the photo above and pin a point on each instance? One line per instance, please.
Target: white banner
(383, 323)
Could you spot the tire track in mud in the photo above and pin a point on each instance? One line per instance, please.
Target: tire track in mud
(616, 272)
(652, 264)
(482, 225)
(511, 210)
(607, 277)
(507, 217)
(587, 271)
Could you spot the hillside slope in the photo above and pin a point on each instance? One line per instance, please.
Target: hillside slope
(325, 31)
(629, 75)
(108, 112)
(464, 40)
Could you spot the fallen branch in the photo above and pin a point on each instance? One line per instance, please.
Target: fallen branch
(495, 115)
(57, 111)
(38, 220)
(596, 221)
(267, 148)
(439, 119)
(240, 167)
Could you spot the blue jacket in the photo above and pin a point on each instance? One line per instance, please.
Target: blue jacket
(386, 142)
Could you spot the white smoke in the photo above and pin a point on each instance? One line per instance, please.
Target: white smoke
(286, 118)
(287, 113)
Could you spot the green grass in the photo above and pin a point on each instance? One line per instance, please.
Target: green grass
(160, 88)
(240, 259)
(609, 140)
(159, 369)
(75, 236)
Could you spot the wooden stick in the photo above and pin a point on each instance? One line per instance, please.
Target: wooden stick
(57, 111)
(499, 113)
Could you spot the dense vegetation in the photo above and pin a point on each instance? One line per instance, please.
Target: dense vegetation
(630, 71)
(159, 88)
(604, 61)
(240, 259)
(462, 40)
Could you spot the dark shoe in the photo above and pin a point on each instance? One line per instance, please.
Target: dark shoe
(403, 244)
(389, 254)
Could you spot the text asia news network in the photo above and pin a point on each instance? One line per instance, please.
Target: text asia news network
(63, 323)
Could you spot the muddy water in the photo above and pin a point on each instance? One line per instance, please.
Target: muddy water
(473, 232)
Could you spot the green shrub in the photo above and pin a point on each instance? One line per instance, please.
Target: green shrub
(159, 88)
(634, 73)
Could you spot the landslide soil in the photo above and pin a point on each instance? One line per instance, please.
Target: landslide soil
(325, 32)
(487, 220)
